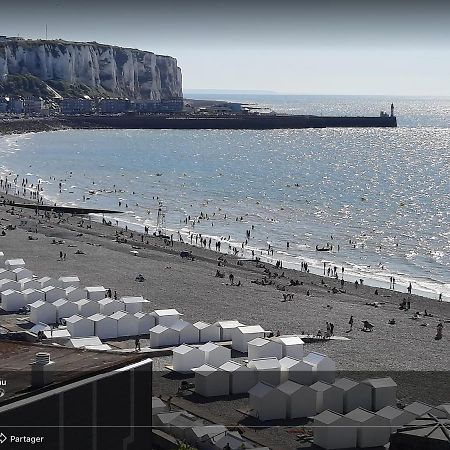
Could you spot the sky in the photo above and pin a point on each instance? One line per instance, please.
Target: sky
(339, 47)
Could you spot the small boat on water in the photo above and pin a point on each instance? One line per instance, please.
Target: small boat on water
(328, 248)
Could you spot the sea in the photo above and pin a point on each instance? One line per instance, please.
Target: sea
(379, 196)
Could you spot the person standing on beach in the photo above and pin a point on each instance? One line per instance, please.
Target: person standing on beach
(137, 344)
(409, 288)
(350, 322)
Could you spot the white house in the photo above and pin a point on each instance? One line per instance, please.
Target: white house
(104, 326)
(188, 334)
(166, 317)
(328, 397)
(333, 431)
(145, 322)
(397, 417)
(211, 381)
(74, 293)
(356, 394)
(87, 307)
(53, 293)
(47, 281)
(133, 304)
(215, 355)
(324, 367)
(372, 430)
(20, 273)
(185, 358)
(242, 378)
(12, 300)
(300, 400)
(207, 332)
(127, 324)
(6, 284)
(384, 392)
(264, 348)
(226, 328)
(161, 336)
(109, 306)
(267, 402)
(12, 264)
(29, 283)
(33, 295)
(268, 370)
(42, 312)
(64, 309)
(79, 326)
(65, 282)
(291, 345)
(95, 293)
(241, 336)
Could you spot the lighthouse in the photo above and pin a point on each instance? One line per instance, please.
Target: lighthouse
(392, 110)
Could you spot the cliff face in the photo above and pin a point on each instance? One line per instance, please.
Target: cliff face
(121, 72)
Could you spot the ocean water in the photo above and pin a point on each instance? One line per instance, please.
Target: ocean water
(381, 195)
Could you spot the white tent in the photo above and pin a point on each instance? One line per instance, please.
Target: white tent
(384, 392)
(133, 304)
(211, 381)
(242, 378)
(29, 283)
(166, 317)
(6, 284)
(127, 324)
(47, 281)
(79, 326)
(356, 394)
(289, 365)
(186, 358)
(53, 293)
(20, 273)
(264, 348)
(69, 281)
(145, 322)
(87, 307)
(207, 332)
(104, 326)
(64, 309)
(328, 397)
(229, 440)
(226, 328)
(161, 336)
(372, 430)
(12, 264)
(95, 293)
(84, 342)
(215, 355)
(33, 295)
(188, 334)
(291, 345)
(12, 300)
(42, 312)
(300, 400)
(109, 306)
(267, 402)
(268, 370)
(74, 293)
(333, 431)
(397, 417)
(324, 367)
(241, 336)
(6, 274)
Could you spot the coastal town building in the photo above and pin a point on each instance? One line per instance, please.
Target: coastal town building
(77, 106)
(113, 105)
(33, 105)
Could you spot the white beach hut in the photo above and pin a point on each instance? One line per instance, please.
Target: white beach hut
(215, 355)
(104, 326)
(42, 312)
(324, 367)
(418, 409)
(185, 358)
(127, 324)
(95, 293)
(133, 304)
(145, 322)
(328, 397)
(67, 281)
(12, 300)
(289, 365)
(356, 395)
(267, 402)
(53, 293)
(268, 370)
(64, 309)
(6, 274)
(264, 348)
(79, 326)
(241, 336)
(227, 327)
(176, 423)
(12, 264)
(334, 431)
(303, 373)
(384, 392)
(229, 440)
(87, 307)
(29, 283)
(109, 306)
(372, 430)
(187, 333)
(397, 417)
(161, 336)
(2, 258)
(166, 317)
(83, 342)
(207, 332)
(33, 295)
(291, 345)
(300, 400)
(198, 436)
(21, 273)
(47, 281)
(73, 293)
(242, 378)
(211, 381)
(6, 284)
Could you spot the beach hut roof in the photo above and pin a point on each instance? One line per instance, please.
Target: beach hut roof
(38, 303)
(106, 301)
(15, 262)
(97, 317)
(230, 366)
(84, 342)
(229, 324)
(74, 319)
(41, 326)
(205, 369)
(60, 302)
(201, 325)
(360, 415)
(20, 269)
(345, 383)
(321, 386)
(130, 300)
(418, 408)
(180, 325)
(251, 329)
(328, 417)
(183, 349)
(50, 288)
(118, 315)
(289, 387)
(264, 363)
(426, 431)
(167, 312)
(260, 390)
(94, 289)
(288, 362)
(9, 292)
(209, 346)
(314, 357)
(56, 333)
(101, 347)
(389, 412)
(381, 382)
(44, 279)
(71, 279)
(82, 302)
(30, 291)
(159, 329)
(289, 340)
(259, 342)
